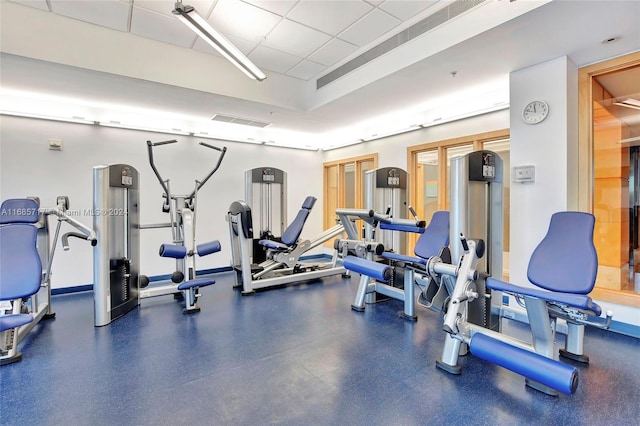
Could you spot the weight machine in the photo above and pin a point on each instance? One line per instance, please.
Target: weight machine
(182, 214)
(265, 190)
(26, 260)
(282, 265)
(118, 286)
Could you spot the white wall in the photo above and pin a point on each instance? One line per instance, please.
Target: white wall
(552, 147)
(28, 167)
(392, 151)
(547, 146)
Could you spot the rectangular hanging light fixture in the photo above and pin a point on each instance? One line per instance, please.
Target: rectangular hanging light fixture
(191, 18)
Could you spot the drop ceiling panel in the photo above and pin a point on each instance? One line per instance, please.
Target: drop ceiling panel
(273, 60)
(405, 9)
(372, 26)
(164, 28)
(333, 52)
(280, 7)
(329, 16)
(295, 39)
(305, 70)
(243, 20)
(108, 13)
(38, 4)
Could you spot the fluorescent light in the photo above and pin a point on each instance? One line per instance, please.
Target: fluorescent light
(629, 140)
(79, 120)
(191, 18)
(629, 103)
(119, 125)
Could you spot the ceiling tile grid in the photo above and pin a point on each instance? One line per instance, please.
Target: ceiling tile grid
(300, 38)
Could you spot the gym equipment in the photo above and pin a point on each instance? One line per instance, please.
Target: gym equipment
(476, 202)
(118, 284)
(385, 190)
(26, 257)
(375, 277)
(266, 192)
(182, 213)
(282, 265)
(116, 220)
(564, 267)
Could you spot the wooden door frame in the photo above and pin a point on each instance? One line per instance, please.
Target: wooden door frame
(585, 153)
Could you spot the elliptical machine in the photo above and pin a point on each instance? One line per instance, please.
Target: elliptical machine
(182, 214)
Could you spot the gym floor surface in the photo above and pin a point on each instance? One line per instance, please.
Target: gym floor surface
(297, 355)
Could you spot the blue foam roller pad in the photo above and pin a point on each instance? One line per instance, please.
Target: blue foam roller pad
(549, 372)
(172, 250)
(208, 248)
(375, 270)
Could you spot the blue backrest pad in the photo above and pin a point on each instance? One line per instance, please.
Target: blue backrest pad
(293, 231)
(566, 258)
(19, 210)
(20, 265)
(435, 236)
(309, 202)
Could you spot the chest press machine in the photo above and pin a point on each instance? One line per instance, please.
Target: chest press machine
(26, 258)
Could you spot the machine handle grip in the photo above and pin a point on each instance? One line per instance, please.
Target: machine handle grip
(65, 239)
(149, 143)
(463, 240)
(413, 213)
(213, 147)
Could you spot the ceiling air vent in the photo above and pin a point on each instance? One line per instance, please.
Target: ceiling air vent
(237, 120)
(430, 22)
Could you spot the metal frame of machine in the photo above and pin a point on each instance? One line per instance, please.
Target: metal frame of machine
(38, 305)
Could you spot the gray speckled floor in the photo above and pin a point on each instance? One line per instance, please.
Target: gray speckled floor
(296, 355)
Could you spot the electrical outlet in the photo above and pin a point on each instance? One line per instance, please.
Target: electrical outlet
(55, 144)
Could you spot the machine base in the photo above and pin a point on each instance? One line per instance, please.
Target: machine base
(540, 387)
(17, 357)
(412, 318)
(575, 357)
(451, 369)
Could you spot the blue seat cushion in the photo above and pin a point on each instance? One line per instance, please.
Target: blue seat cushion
(375, 270)
(14, 320)
(274, 245)
(579, 301)
(197, 282)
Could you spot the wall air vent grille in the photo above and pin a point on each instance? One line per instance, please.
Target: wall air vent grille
(237, 120)
(430, 22)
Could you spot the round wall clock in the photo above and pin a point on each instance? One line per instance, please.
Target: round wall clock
(535, 112)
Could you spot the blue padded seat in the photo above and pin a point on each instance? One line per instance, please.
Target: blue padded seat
(20, 265)
(197, 282)
(293, 231)
(564, 263)
(14, 320)
(434, 237)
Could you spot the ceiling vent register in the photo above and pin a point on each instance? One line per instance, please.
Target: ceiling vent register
(430, 22)
(237, 120)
